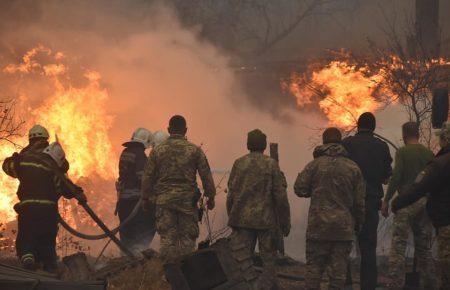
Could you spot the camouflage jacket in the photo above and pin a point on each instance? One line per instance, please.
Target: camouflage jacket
(170, 176)
(337, 190)
(256, 196)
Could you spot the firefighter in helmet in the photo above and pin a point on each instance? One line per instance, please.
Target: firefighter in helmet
(42, 183)
(138, 233)
(38, 140)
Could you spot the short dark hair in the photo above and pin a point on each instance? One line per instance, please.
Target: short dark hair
(256, 141)
(411, 130)
(367, 121)
(331, 135)
(177, 123)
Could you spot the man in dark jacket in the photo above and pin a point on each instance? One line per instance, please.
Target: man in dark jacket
(140, 230)
(434, 182)
(42, 183)
(374, 159)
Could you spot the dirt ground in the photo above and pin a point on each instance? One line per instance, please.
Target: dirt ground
(149, 276)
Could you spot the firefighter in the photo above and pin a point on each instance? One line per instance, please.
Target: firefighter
(38, 140)
(159, 137)
(42, 183)
(139, 232)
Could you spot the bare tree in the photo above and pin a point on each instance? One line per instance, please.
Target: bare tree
(252, 26)
(411, 72)
(10, 124)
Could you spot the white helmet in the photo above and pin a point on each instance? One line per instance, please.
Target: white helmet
(159, 137)
(38, 131)
(143, 136)
(56, 152)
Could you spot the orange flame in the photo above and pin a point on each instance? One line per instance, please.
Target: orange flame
(76, 114)
(342, 91)
(78, 117)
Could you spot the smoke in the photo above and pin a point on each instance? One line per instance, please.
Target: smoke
(153, 68)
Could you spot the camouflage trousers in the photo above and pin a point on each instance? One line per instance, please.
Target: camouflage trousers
(178, 232)
(412, 219)
(443, 241)
(246, 239)
(330, 256)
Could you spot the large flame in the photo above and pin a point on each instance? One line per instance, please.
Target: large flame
(344, 88)
(76, 115)
(342, 91)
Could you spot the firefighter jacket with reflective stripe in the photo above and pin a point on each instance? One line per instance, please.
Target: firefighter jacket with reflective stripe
(131, 167)
(38, 145)
(39, 178)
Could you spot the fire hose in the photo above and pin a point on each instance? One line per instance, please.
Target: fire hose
(105, 235)
(108, 233)
(100, 223)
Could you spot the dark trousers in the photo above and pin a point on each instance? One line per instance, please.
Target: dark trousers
(36, 236)
(368, 244)
(139, 232)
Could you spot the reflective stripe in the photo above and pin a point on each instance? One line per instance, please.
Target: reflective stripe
(37, 201)
(37, 165)
(27, 257)
(10, 169)
(129, 193)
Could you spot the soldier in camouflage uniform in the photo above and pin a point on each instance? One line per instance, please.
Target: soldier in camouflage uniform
(410, 160)
(170, 182)
(337, 190)
(433, 182)
(256, 201)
